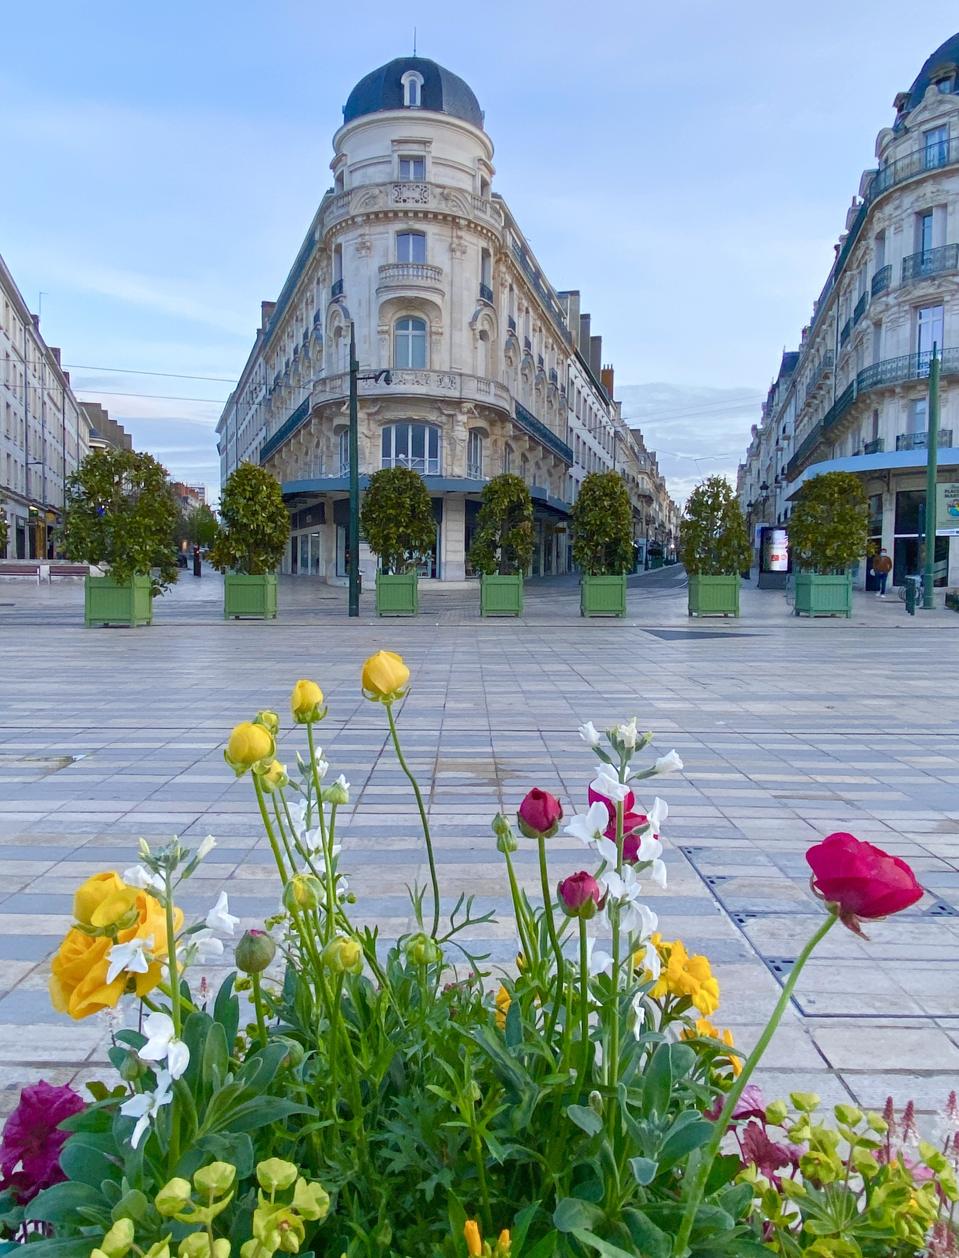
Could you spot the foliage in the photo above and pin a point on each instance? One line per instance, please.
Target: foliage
(254, 523)
(397, 518)
(4, 534)
(829, 525)
(503, 541)
(197, 527)
(120, 512)
(712, 534)
(603, 526)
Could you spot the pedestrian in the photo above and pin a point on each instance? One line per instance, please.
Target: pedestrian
(882, 566)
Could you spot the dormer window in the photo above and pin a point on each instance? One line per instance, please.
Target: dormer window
(412, 89)
(944, 84)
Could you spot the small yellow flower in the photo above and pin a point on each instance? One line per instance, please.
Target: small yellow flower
(306, 702)
(248, 744)
(734, 1060)
(268, 719)
(503, 1002)
(683, 975)
(474, 1242)
(385, 677)
(702, 1028)
(272, 775)
(343, 955)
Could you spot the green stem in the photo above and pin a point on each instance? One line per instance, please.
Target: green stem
(267, 825)
(426, 825)
(613, 1066)
(553, 937)
(174, 1009)
(584, 1003)
(258, 1006)
(282, 831)
(681, 1249)
(519, 911)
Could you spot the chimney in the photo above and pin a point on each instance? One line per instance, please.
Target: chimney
(596, 355)
(583, 345)
(36, 321)
(56, 354)
(266, 312)
(606, 380)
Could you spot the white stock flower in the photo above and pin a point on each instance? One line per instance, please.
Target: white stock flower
(670, 763)
(143, 879)
(589, 734)
(219, 919)
(607, 784)
(589, 826)
(657, 815)
(203, 947)
(206, 847)
(635, 918)
(649, 852)
(131, 957)
(597, 961)
(163, 1045)
(628, 734)
(639, 1014)
(298, 815)
(321, 766)
(146, 1105)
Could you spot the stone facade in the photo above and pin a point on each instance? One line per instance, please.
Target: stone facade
(44, 432)
(854, 397)
(491, 369)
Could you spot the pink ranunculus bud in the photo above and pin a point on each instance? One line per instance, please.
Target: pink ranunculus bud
(539, 814)
(862, 881)
(580, 895)
(628, 802)
(632, 822)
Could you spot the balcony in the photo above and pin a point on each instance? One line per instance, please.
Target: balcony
(919, 162)
(486, 293)
(845, 332)
(336, 289)
(860, 309)
(881, 280)
(875, 446)
(527, 345)
(511, 323)
(818, 374)
(920, 440)
(418, 276)
(545, 436)
(919, 266)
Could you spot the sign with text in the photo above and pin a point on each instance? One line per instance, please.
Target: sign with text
(947, 510)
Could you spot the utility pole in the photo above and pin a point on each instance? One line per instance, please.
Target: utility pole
(932, 469)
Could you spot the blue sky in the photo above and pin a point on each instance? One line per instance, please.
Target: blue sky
(686, 166)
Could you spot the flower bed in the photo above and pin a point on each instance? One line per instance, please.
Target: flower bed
(341, 1095)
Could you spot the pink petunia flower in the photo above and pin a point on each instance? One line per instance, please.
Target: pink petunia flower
(30, 1149)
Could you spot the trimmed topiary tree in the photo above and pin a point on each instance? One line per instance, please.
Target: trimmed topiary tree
(503, 542)
(714, 548)
(121, 514)
(603, 543)
(828, 532)
(255, 524)
(397, 519)
(4, 535)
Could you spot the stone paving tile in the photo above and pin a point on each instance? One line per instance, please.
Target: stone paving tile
(784, 735)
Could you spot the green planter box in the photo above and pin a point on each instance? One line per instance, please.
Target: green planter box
(713, 596)
(251, 596)
(827, 594)
(501, 595)
(602, 596)
(105, 602)
(397, 594)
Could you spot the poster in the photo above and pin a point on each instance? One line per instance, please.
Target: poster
(947, 510)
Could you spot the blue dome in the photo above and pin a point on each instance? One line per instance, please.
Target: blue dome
(442, 92)
(944, 59)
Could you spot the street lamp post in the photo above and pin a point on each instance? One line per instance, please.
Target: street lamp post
(932, 469)
(354, 531)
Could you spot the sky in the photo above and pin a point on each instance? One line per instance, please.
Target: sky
(687, 167)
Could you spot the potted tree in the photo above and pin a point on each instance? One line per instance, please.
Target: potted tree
(828, 530)
(120, 515)
(399, 525)
(603, 543)
(714, 548)
(503, 544)
(250, 540)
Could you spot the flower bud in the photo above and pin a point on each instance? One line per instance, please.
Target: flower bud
(275, 1175)
(215, 1179)
(776, 1113)
(118, 1240)
(337, 792)
(474, 1242)
(596, 1102)
(385, 677)
(539, 814)
(343, 956)
(161, 1249)
(272, 775)
(306, 703)
(247, 745)
(254, 952)
(270, 720)
(173, 1197)
(132, 1068)
(580, 895)
(805, 1101)
(303, 891)
(422, 950)
(505, 838)
(295, 1052)
(197, 1245)
(504, 1245)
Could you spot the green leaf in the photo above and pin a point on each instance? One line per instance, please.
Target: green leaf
(572, 1213)
(545, 1248)
(60, 1203)
(88, 1158)
(658, 1084)
(68, 1247)
(644, 1170)
(259, 1113)
(226, 1010)
(216, 1058)
(651, 1241)
(521, 1226)
(585, 1118)
(680, 1143)
(132, 1205)
(601, 1246)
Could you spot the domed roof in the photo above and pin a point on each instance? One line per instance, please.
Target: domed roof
(946, 57)
(442, 91)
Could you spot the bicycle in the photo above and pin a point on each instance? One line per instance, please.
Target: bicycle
(920, 589)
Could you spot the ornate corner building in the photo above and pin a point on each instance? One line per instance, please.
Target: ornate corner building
(491, 369)
(853, 397)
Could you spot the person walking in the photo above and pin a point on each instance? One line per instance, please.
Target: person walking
(882, 566)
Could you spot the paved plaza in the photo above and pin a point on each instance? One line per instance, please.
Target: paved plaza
(789, 730)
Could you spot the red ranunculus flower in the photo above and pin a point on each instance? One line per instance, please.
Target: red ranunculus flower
(30, 1150)
(595, 797)
(580, 895)
(862, 880)
(632, 821)
(539, 814)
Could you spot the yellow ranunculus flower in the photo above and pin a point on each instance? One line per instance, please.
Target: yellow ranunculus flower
(306, 702)
(248, 744)
(103, 900)
(385, 677)
(270, 720)
(503, 1001)
(272, 776)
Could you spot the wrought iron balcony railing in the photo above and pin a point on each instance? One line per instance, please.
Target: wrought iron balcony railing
(336, 288)
(819, 373)
(486, 293)
(874, 447)
(920, 440)
(553, 376)
(542, 434)
(527, 345)
(882, 279)
(845, 332)
(918, 266)
(860, 308)
(511, 323)
(918, 162)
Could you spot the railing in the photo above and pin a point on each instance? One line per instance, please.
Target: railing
(930, 262)
(860, 308)
(839, 407)
(817, 375)
(553, 376)
(539, 362)
(411, 192)
(543, 434)
(920, 440)
(474, 471)
(527, 345)
(410, 273)
(845, 332)
(486, 293)
(874, 447)
(336, 289)
(425, 466)
(542, 288)
(286, 430)
(882, 279)
(511, 323)
(918, 162)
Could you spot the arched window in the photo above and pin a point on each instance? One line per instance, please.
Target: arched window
(412, 89)
(410, 246)
(343, 446)
(412, 445)
(474, 455)
(409, 343)
(508, 458)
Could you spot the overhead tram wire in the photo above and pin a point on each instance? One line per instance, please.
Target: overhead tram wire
(138, 371)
